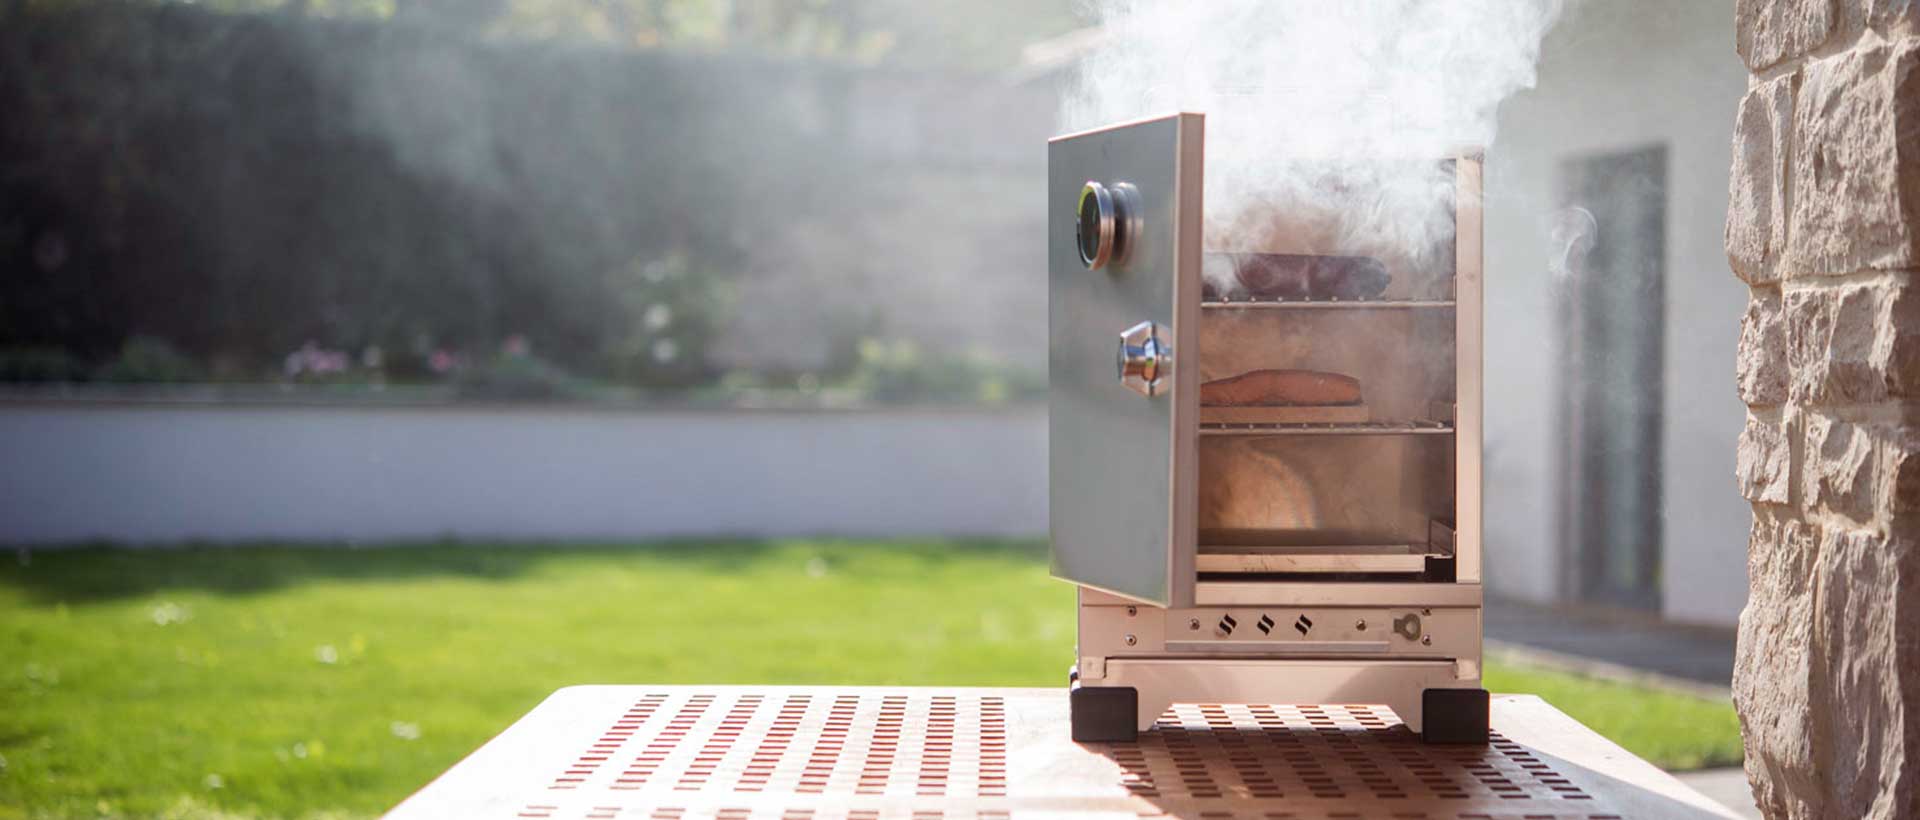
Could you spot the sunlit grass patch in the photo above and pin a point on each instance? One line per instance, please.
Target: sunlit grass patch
(288, 682)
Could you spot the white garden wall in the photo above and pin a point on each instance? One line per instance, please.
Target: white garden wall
(154, 473)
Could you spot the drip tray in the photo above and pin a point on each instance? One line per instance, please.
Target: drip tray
(1392, 558)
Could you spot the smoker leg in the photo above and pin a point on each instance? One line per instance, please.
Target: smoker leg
(1103, 714)
(1454, 715)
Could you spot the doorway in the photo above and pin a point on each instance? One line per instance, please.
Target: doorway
(1610, 305)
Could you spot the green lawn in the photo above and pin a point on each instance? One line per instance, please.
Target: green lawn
(1674, 730)
(291, 682)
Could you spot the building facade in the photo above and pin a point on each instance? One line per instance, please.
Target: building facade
(1611, 418)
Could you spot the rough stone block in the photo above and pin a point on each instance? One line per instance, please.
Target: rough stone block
(1867, 657)
(1839, 467)
(1760, 365)
(1809, 319)
(1900, 474)
(1893, 16)
(1766, 32)
(1858, 343)
(1756, 234)
(1773, 675)
(1856, 163)
(1763, 461)
(1897, 346)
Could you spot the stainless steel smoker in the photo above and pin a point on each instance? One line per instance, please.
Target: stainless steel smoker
(1265, 459)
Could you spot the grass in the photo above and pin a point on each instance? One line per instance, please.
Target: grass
(288, 682)
(1674, 730)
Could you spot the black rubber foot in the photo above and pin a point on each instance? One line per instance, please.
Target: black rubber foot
(1103, 714)
(1454, 715)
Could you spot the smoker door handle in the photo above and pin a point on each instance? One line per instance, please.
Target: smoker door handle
(1095, 224)
(1105, 220)
(1145, 360)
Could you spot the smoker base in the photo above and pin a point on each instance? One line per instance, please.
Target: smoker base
(1454, 715)
(1102, 714)
(1405, 686)
(859, 753)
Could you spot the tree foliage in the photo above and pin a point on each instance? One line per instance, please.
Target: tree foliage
(241, 185)
(418, 183)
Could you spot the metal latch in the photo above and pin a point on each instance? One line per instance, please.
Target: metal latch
(1145, 359)
(1407, 626)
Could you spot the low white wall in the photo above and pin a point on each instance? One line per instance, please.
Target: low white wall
(156, 473)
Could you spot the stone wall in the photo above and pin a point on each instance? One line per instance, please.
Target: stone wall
(1824, 227)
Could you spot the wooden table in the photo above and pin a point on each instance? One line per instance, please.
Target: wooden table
(855, 753)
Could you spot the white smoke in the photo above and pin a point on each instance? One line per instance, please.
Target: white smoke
(1570, 233)
(1306, 98)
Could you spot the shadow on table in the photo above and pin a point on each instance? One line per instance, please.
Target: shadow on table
(1212, 772)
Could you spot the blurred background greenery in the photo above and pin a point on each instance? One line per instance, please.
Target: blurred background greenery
(525, 199)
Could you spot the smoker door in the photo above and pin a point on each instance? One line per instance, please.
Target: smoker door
(1122, 440)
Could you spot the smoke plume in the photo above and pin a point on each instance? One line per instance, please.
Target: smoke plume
(1327, 114)
(1570, 234)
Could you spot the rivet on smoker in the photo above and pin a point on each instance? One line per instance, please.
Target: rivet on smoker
(1131, 640)
(1194, 624)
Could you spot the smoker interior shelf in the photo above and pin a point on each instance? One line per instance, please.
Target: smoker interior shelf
(1241, 415)
(1323, 304)
(1403, 558)
(1365, 428)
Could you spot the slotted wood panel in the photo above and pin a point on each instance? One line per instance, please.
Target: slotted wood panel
(790, 753)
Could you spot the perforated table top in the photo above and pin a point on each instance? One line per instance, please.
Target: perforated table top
(834, 753)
